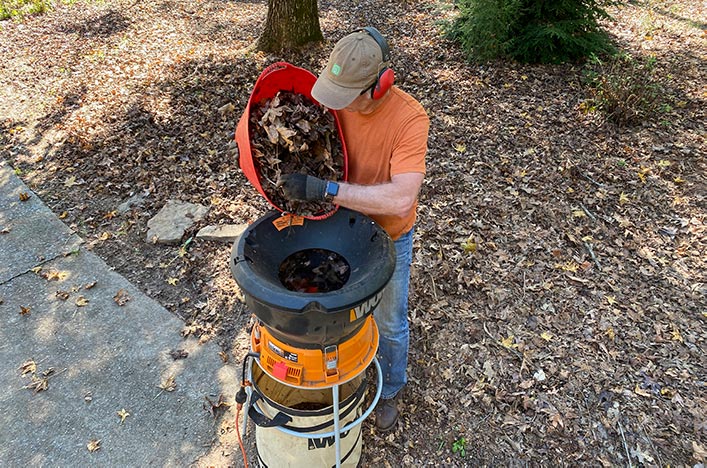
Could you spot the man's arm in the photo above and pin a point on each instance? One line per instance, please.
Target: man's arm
(395, 198)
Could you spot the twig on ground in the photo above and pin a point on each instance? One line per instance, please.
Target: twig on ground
(589, 213)
(628, 455)
(434, 288)
(657, 454)
(592, 254)
(585, 176)
(483, 420)
(496, 342)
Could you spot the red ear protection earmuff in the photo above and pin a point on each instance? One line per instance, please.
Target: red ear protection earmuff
(386, 76)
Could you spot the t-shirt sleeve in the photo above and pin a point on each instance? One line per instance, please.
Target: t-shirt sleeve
(411, 146)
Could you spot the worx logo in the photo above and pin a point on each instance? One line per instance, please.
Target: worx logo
(323, 442)
(365, 307)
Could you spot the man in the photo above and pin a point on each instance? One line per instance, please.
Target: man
(385, 130)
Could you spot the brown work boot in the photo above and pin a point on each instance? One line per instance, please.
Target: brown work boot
(387, 413)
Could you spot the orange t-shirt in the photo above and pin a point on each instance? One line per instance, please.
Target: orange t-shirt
(389, 141)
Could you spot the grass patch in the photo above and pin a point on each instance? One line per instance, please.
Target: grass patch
(627, 89)
(21, 8)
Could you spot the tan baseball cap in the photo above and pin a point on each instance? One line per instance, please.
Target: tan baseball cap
(353, 67)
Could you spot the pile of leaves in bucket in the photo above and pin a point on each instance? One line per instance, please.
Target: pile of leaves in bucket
(314, 271)
(291, 134)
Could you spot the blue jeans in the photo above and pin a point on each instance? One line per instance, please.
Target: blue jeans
(391, 316)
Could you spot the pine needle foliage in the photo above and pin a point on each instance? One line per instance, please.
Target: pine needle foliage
(531, 31)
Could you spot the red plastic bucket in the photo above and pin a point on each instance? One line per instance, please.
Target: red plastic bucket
(280, 76)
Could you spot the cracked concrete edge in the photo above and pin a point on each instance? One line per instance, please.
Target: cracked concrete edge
(31, 234)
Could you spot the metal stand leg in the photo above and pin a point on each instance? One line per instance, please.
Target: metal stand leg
(246, 405)
(337, 423)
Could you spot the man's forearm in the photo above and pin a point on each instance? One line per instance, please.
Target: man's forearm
(392, 198)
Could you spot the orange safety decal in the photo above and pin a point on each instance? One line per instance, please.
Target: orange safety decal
(288, 220)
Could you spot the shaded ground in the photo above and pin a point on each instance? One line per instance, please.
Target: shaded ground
(558, 290)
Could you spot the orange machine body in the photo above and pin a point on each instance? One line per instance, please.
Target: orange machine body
(316, 368)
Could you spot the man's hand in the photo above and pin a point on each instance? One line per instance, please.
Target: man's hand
(303, 187)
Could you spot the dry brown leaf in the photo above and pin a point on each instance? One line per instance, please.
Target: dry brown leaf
(297, 136)
(123, 414)
(224, 356)
(24, 310)
(640, 391)
(226, 109)
(169, 384)
(177, 354)
(28, 367)
(81, 301)
(54, 275)
(93, 445)
(24, 196)
(89, 285)
(215, 407)
(121, 297)
(38, 384)
(63, 295)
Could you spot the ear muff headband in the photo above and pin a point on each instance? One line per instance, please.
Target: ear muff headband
(380, 40)
(386, 77)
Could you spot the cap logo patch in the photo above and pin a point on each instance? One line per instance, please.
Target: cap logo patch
(335, 69)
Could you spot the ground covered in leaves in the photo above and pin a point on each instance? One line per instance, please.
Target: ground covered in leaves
(558, 288)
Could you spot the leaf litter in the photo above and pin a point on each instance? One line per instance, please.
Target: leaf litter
(510, 159)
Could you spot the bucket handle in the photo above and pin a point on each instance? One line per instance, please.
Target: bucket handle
(281, 419)
(273, 67)
(261, 420)
(352, 406)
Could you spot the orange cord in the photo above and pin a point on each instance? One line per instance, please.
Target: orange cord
(240, 441)
(239, 406)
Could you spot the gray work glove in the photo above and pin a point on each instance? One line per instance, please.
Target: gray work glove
(303, 187)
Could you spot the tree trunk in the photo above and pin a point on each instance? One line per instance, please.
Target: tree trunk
(290, 23)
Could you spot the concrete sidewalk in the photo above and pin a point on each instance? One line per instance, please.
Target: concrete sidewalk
(96, 357)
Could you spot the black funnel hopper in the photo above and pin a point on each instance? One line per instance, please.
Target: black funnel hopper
(313, 284)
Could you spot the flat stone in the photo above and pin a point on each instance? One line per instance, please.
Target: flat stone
(32, 233)
(221, 232)
(169, 225)
(136, 200)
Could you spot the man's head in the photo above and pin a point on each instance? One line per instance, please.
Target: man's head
(358, 63)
